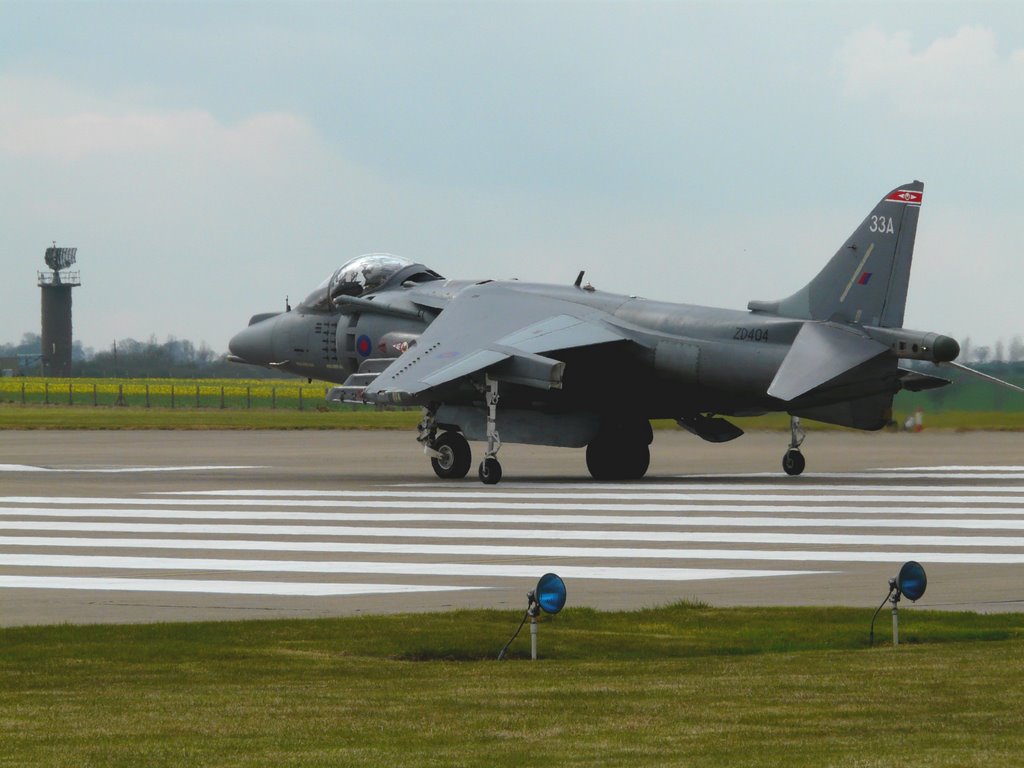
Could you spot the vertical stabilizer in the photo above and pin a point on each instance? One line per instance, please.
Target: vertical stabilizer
(866, 280)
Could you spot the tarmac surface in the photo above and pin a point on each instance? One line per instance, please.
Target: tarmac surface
(180, 526)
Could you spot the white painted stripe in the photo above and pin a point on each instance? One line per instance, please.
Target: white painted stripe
(523, 551)
(684, 479)
(862, 498)
(387, 568)
(955, 468)
(123, 470)
(595, 492)
(285, 588)
(536, 534)
(917, 521)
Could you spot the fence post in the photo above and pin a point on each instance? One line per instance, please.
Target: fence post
(71, 396)
(197, 395)
(147, 395)
(46, 391)
(172, 397)
(120, 395)
(300, 397)
(248, 398)
(94, 399)
(23, 393)
(273, 397)
(222, 397)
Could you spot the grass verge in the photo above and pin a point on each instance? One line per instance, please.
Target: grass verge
(680, 685)
(14, 416)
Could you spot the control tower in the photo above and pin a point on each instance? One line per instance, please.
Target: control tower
(56, 290)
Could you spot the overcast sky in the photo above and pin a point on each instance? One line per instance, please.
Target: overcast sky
(208, 159)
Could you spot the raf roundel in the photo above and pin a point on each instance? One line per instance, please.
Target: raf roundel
(363, 345)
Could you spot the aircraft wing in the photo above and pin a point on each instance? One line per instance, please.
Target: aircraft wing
(493, 328)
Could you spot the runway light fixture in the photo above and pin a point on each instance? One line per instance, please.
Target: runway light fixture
(549, 596)
(911, 583)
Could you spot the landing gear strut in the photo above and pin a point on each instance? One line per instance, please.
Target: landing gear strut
(450, 455)
(490, 469)
(793, 462)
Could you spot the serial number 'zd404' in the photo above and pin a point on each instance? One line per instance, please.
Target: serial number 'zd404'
(751, 334)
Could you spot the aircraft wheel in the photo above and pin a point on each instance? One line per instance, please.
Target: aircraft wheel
(490, 471)
(601, 460)
(636, 462)
(793, 462)
(455, 458)
(608, 460)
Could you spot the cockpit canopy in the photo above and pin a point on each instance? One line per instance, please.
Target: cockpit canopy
(363, 275)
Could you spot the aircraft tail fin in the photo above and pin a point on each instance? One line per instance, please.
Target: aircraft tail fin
(866, 280)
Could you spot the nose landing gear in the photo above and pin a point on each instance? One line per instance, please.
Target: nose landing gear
(793, 462)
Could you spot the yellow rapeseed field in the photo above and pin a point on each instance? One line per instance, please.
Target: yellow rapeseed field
(163, 392)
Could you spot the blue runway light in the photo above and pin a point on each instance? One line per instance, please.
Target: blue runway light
(912, 580)
(551, 593)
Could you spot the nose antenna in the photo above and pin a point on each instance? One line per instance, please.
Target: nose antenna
(287, 306)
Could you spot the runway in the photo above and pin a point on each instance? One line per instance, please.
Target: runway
(184, 526)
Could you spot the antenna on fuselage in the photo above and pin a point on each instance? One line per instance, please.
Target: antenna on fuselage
(579, 279)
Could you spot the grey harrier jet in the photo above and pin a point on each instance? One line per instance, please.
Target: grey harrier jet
(573, 366)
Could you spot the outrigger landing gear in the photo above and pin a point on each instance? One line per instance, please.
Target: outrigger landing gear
(793, 462)
(490, 469)
(450, 455)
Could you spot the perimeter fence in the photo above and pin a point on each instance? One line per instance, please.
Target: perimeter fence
(167, 393)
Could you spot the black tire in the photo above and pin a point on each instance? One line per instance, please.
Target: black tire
(612, 460)
(793, 462)
(456, 457)
(600, 461)
(490, 471)
(636, 463)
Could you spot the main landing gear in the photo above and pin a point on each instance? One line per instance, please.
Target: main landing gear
(450, 455)
(621, 451)
(793, 462)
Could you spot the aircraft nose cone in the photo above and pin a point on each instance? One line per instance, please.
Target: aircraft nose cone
(253, 344)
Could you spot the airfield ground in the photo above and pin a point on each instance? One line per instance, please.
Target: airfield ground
(181, 526)
(109, 527)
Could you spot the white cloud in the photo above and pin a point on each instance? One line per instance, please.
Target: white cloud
(963, 75)
(33, 125)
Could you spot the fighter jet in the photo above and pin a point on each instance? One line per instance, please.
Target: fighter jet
(573, 366)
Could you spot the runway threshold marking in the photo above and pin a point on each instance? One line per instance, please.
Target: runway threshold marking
(124, 470)
(530, 551)
(536, 534)
(502, 500)
(280, 588)
(475, 570)
(601, 491)
(869, 518)
(547, 513)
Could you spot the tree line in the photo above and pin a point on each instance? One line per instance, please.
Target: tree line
(129, 358)
(180, 358)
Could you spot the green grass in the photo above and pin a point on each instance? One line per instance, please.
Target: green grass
(319, 416)
(681, 685)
